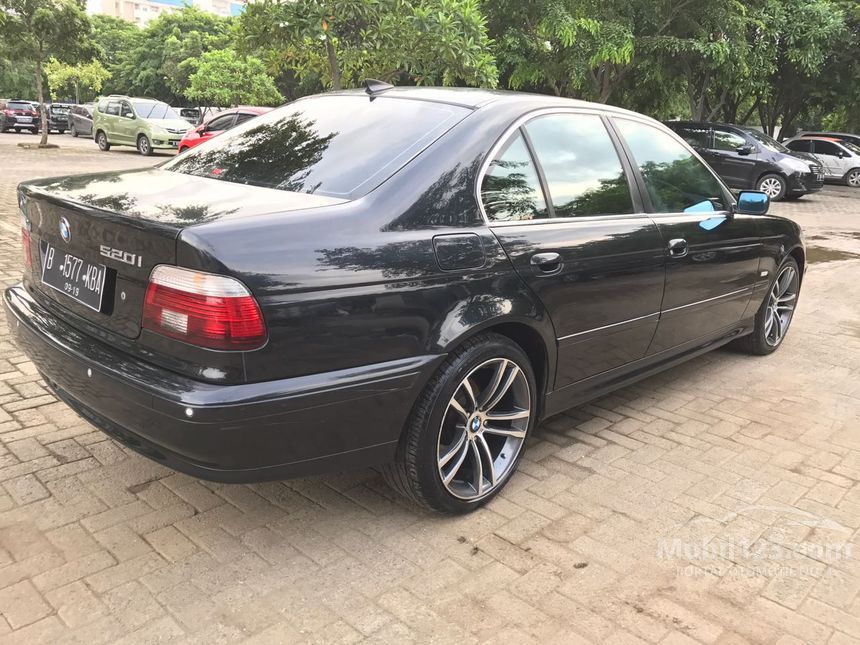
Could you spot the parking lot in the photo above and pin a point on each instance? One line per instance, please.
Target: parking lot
(718, 502)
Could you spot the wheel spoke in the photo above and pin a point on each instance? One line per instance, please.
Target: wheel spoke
(454, 449)
(479, 469)
(491, 468)
(502, 389)
(507, 416)
(777, 321)
(459, 408)
(505, 432)
(457, 464)
(468, 387)
(487, 394)
(787, 297)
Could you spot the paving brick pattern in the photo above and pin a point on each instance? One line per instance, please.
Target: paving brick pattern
(716, 503)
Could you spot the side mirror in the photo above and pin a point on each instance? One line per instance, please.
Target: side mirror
(752, 202)
(745, 149)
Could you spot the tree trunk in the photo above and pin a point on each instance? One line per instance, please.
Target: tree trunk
(334, 67)
(43, 114)
(77, 93)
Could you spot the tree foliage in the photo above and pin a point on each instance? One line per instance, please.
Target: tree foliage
(83, 76)
(344, 41)
(223, 78)
(35, 30)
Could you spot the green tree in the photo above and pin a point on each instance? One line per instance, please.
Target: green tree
(151, 66)
(90, 76)
(114, 38)
(224, 78)
(36, 30)
(342, 42)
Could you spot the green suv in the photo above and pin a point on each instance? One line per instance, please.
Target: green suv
(145, 124)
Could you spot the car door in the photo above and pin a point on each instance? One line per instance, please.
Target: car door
(840, 159)
(735, 157)
(111, 120)
(712, 254)
(126, 124)
(558, 198)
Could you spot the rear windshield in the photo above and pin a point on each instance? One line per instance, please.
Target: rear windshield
(338, 146)
(150, 110)
(18, 105)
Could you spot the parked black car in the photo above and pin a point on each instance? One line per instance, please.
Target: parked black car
(81, 120)
(58, 116)
(746, 158)
(412, 278)
(18, 114)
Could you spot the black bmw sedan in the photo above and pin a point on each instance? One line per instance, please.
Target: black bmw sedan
(410, 278)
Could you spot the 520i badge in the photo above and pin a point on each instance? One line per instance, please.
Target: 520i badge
(133, 259)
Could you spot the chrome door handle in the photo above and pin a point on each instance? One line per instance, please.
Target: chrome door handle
(678, 248)
(546, 263)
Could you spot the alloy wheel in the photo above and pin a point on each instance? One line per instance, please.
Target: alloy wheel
(483, 429)
(771, 187)
(143, 145)
(854, 178)
(780, 308)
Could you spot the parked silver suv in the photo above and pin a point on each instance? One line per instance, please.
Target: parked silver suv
(840, 159)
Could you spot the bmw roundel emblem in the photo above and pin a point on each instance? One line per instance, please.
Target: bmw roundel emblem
(65, 229)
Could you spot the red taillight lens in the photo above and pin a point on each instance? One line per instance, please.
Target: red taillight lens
(25, 242)
(8, 112)
(203, 309)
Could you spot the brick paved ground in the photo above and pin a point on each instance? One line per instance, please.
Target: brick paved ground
(716, 503)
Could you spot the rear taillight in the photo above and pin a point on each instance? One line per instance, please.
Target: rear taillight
(203, 309)
(25, 242)
(8, 113)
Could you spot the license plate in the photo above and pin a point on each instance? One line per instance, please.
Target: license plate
(79, 279)
(25, 119)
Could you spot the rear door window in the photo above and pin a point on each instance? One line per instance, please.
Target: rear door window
(675, 179)
(696, 135)
(801, 145)
(338, 146)
(827, 148)
(511, 190)
(728, 140)
(112, 108)
(583, 173)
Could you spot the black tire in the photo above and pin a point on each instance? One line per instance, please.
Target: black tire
(73, 131)
(61, 131)
(794, 197)
(415, 471)
(852, 178)
(767, 184)
(102, 141)
(757, 343)
(144, 146)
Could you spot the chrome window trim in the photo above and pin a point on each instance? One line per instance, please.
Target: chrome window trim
(516, 125)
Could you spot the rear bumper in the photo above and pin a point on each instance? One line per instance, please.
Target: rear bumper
(233, 433)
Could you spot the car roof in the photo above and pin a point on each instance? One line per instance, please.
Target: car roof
(818, 138)
(476, 98)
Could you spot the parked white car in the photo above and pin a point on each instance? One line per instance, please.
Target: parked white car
(839, 159)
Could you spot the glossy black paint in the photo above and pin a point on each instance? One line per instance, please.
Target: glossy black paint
(362, 299)
(743, 168)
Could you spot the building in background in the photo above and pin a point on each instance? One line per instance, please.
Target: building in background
(141, 12)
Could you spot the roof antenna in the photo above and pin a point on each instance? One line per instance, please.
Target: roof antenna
(374, 87)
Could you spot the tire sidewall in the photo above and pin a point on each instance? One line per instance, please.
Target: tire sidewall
(759, 336)
(440, 395)
(848, 177)
(101, 140)
(148, 150)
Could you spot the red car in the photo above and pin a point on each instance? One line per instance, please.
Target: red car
(218, 124)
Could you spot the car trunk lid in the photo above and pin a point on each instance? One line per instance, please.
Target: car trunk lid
(128, 222)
